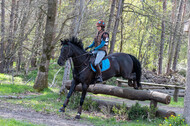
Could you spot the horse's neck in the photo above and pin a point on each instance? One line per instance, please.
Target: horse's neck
(79, 57)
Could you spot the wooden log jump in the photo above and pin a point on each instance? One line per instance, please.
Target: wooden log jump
(125, 93)
(176, 87)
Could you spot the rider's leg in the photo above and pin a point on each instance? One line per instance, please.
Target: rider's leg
(100, 55)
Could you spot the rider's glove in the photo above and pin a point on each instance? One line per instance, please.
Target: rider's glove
(86, 48)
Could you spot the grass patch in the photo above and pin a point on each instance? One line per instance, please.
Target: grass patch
(45, 102)
(13, 122)
(101, 121)
(180, 102)
(12, 89)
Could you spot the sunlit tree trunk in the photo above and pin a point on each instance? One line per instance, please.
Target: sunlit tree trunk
(162, 40)
(119, 13)
(2, 56)
(179, 39)
(175, 33)
(111, 15)
(41, 81)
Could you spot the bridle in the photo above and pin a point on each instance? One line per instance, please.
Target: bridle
(77, 66)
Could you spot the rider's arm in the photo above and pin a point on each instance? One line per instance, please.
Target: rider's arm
(101, 45)
(92, 45)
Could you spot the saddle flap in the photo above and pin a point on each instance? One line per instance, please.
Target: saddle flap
(105, 65)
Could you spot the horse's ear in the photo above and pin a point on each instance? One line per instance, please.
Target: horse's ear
(64, 42)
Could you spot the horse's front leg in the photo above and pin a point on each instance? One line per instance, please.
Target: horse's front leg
(73, 85)
(84, 90)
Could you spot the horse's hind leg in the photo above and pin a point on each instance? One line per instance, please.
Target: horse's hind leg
(84, 90)
(73, 85)
(131, 79)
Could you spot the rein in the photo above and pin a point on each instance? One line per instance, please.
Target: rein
(81, 63)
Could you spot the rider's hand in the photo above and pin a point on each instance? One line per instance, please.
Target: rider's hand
(86, 48)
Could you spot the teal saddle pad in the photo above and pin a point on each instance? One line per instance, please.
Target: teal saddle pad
(105, 65)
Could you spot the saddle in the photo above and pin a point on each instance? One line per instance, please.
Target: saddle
(104, 64)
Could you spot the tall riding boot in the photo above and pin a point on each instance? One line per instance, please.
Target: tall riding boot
(99, 74)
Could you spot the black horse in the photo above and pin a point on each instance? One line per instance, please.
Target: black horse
(122, 64)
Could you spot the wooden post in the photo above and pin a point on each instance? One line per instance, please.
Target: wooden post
(154, 103)
(176, 91)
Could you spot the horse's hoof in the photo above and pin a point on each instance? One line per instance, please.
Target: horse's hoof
(62, 109)
(77, 116)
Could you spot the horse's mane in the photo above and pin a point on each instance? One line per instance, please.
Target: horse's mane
(73, 40)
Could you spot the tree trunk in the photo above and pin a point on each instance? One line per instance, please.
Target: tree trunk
(63, 89)
(38, 39)
(186, 113)
(2, 56)
(21, 37)
(160, 59)
(171, 28)
(172, 49)
(111, 15)
(125, 93)
(10, 38)
(41, 81)
(122, 28)
(119, 13)
(179, 40)
(81, 12)
(37, 42)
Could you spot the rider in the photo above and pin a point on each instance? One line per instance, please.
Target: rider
(101, 46)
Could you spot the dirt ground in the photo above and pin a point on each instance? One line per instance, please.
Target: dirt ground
(19, 112)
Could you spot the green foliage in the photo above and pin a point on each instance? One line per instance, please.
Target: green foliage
(111, 121)
(152, 112)
(13, 122)
(74, 100)
(138, 112)
(111, 81)
(174, 121)
(182, 72)
(5, 78)
(121, 111)
(90, 105)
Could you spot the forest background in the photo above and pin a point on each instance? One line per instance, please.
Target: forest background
(151, 30)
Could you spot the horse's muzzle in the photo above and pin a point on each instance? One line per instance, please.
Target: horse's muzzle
(60, 62)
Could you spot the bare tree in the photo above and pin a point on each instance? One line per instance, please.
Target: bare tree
(2, 56)
(162, 39)
(119, 13)
(41, 81)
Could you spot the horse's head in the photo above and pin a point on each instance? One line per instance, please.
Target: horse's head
(70, 48)
(65, 53)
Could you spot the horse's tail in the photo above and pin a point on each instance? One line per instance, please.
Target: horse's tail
(137, 69)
